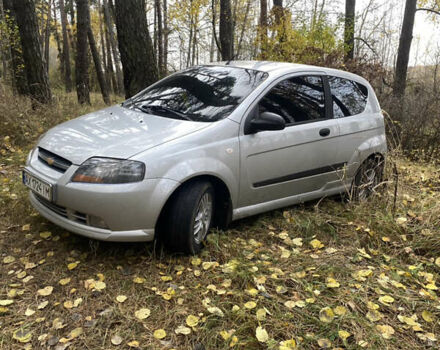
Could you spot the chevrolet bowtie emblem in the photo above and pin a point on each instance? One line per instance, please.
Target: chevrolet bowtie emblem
(50, 161)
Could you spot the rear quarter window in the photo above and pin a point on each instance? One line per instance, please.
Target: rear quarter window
(349, 97)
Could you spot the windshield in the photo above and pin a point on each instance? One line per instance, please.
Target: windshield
(206, 93)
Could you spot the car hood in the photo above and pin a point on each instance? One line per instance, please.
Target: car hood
(115, 132)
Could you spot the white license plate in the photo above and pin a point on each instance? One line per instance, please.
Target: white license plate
(38, 186)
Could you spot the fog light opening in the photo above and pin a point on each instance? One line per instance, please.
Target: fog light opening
(96, 221)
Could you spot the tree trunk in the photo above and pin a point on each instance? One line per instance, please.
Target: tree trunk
(278, 11)
(154, 25)
(165, 37)
(47, 37)
(5, 49)
(82, 59)
(243, 28)
(103, 46)
(190, 39)
(194, 44)
(135, 45)
(226, 30)
(35, 72)
(212, 49)
(58, 40)
(110, 70)
(97, 61)
(70, 9)
(160, 59)
(263, 28)
(113, 46)
(350, 12)
(403, 52)
(19, 80)
(66, 48)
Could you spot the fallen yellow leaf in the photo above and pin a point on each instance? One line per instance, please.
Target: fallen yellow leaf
(192, 320)
(261, 334)
(287, 344)
(343, 335)
(133, 344)
(250, 305)
(45, 234)
(64, 281)
(116, 340)
(340, 310)
(261, 314)
(99, 285)
(121, 298)
(316, 244)
(139, 280)
(29, 312)
(73, 265)
(324, 343)
(22, 336)
(45, 291)
(385, 330)
(196, 261)
(159, 334)
(182, 330)
(427, 316)
(332, 283)
(386, 299)
(326, 315)
(9, 259)
(142, 314)
(374, 315)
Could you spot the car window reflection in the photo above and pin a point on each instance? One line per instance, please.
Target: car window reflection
(206, 93)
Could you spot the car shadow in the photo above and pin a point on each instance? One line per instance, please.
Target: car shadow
(76, 245)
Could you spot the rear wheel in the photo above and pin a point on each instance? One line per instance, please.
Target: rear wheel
(368, 177)
(189, 218)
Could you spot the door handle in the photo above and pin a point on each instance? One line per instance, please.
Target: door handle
(324, 132)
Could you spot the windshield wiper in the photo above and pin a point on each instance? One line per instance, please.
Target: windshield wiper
(161, 109)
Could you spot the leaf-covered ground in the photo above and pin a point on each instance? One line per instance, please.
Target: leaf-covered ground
(328, 274)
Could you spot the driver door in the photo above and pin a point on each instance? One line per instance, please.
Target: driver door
(300, 159)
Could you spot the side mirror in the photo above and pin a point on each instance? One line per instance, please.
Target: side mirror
(267, 121)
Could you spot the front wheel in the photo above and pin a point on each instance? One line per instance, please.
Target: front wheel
(189, 217)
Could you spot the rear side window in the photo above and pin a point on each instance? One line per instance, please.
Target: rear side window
(349, 97)
(297, 100)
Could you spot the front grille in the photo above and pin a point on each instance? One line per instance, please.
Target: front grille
(52, 206)
(62, 211)
(53, 161)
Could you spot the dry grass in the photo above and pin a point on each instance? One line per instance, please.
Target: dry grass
(260, 259)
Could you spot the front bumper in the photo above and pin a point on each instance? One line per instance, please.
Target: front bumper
(89, 231)
(129, 211)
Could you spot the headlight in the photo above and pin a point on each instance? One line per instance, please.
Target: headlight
(109, 171)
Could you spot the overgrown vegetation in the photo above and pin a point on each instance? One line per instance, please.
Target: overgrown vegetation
(329, 273)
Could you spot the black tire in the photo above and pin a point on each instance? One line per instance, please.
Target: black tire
(368, 177)
(178, 226)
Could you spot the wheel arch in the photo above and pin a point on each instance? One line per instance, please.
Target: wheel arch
(376, 156)
(222, 205)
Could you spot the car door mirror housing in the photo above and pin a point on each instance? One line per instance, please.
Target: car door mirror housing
(267, 121)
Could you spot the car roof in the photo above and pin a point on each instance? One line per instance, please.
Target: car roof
(281, 68)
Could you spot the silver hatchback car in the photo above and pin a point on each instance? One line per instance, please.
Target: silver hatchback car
(208, 145)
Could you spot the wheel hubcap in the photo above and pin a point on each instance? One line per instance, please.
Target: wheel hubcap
(203, 218)
(368, 183)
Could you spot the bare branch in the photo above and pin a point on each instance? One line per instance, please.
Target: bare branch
(214, 32)
(367, 44)
(429, 10)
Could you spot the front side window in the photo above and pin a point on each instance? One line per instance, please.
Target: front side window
(205, 93)
(349, 97)
(297, 100)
